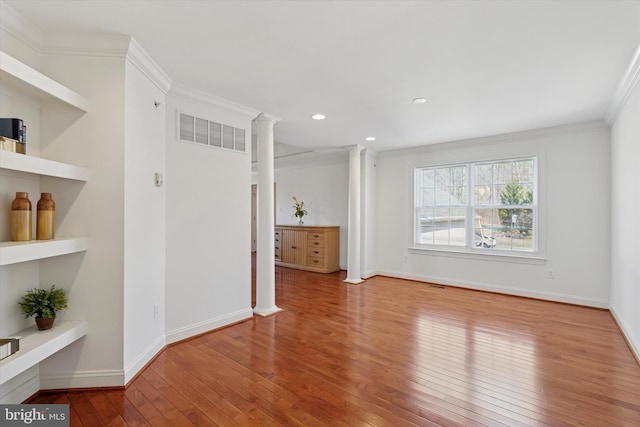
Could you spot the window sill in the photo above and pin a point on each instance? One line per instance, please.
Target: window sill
(533, 259)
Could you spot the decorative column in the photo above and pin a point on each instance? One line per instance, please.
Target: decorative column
(354, 238)
(265, 267)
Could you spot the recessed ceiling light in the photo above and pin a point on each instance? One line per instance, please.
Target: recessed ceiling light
(419, 100)
(318, 117)
(370, 138)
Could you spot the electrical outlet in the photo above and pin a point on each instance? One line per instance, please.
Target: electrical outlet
(156, 310)
(551, 274)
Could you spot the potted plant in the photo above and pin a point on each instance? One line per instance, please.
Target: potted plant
(43, 303)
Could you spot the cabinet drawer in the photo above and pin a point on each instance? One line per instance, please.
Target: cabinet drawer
(316, 236)
(316, 244)
(315, 261)
(316, 252)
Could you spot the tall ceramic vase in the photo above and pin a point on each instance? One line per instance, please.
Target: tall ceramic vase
(45, 224)
(21, 217)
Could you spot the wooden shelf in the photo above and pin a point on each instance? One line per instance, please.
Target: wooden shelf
(15, 252)
(35, 346)
(16, 74)
(37, 165)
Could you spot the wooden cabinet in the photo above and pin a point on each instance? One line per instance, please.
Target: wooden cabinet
(308, 248)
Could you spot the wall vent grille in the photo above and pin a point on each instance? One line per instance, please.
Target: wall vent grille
(206, 132)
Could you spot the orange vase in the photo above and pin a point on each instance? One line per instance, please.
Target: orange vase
(21, 218)
(46, 220)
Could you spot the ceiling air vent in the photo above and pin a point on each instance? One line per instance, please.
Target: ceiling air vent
(207, 132)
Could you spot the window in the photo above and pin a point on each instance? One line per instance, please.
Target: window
(487, 206)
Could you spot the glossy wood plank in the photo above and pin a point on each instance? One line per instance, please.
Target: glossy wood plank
(388, 352)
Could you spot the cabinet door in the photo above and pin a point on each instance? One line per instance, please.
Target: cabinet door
(294, 247)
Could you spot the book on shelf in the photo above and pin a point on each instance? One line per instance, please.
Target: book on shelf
(8, 346)
(15, 146)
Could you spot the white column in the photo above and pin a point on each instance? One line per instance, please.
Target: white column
(354, 238)
(265, 267)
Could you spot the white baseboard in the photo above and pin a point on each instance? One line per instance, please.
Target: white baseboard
(84, 379)
(21, 387)
(479, 286)
(208, 325)
(144, 358)
(368, 274)
(633, 341)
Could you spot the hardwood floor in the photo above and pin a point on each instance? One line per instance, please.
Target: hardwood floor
(388, 352)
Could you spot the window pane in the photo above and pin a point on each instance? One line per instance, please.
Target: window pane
(459, 175)
(502, 173)
(527, 194)
(458, 195)
(517, 231)
(484, 228)
(514, 194)
(484, 174)
(442, 196)
(483, 194)
(425, 226)
(523, 171)
(428, 197)
(428, 178)
(442, 177)
(457, 223)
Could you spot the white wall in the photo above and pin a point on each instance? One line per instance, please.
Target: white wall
(574, 176)
(625, 208)
(95, 278)
(145, 225)
(208, 268)
(324, 189)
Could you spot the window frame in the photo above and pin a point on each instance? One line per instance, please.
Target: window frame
(469, 249)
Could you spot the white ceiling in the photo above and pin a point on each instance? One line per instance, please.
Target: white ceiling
(485, 67)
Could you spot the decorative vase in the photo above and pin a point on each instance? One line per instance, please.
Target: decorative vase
(21, 217)
(44, 323)
(300, 220)
(46, 217)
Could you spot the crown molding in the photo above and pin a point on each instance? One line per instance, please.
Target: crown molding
(203, 98)
(307, 159)
(498, 139)
(139, 58)
(101, 45)
(20, 27)
(624, 90)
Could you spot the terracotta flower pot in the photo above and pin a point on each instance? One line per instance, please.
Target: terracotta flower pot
(44, 323)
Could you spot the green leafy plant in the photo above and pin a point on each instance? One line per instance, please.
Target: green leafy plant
(515, 194)
(300, 211)
(43, 302)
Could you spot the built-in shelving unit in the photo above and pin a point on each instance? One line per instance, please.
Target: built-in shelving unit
(35, 346)
(15, 252)
(20, 76)
(44, 167)
(29, 85)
